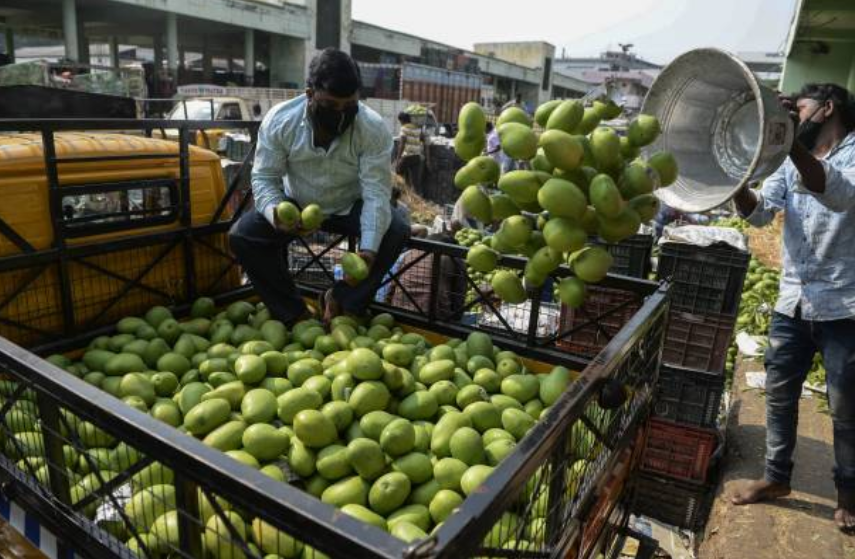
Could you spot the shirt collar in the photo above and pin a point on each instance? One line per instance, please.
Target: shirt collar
(847, 141)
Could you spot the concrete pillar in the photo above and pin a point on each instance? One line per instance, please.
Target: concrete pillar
(69, 30)
(249, 56)
(157, 46)
(287, 62)
(114, 52)
(83, 44)
(207, 61)
(850, 82)
(10, 44)
(172, 43)
(346, 25)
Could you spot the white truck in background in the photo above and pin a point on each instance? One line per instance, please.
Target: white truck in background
(214, 102)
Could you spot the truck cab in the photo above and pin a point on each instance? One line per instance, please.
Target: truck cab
(215, 108)
(120, 207)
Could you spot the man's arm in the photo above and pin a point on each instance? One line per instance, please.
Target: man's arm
(375, 181)
(402, 143)
(269, 167)
(760, 208)
(832, 184)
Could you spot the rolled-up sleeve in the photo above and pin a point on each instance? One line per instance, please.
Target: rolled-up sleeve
(771, 200)
(270, 166)
(375, 180)
(839, 193)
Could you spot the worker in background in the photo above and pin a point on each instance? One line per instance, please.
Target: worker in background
(515, 102)
(413, 154)
(815, 312)
(324, 147)
(494, 145)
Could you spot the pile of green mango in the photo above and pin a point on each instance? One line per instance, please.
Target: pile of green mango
(364, 416)
(581, 179)
(759, 295)
(734, 222)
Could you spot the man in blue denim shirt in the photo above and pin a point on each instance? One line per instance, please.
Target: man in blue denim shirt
(324, 147)
(815, 311)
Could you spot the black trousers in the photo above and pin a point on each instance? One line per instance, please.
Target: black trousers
(411, 168)
(262, 252)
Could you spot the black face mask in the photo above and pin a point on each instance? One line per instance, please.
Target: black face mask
(808, 131)
(332, 121)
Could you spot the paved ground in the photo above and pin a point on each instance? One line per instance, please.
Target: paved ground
(798, 526)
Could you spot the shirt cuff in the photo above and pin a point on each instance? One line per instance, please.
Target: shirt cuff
(267, 212)
(369, 240)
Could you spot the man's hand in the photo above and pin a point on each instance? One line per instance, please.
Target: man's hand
(368, 256)
(296, 229)
(745, 200)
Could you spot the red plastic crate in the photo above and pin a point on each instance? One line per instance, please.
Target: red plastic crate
(605, 311)
(678, 451)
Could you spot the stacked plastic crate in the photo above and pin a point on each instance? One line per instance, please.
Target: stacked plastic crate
(683, 438)
(631, 256)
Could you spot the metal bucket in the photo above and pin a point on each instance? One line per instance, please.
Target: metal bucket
(723, 127)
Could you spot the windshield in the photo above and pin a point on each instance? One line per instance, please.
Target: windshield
(197, 109)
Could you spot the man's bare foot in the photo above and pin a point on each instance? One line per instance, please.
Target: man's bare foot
(758, 491)
(844, 514)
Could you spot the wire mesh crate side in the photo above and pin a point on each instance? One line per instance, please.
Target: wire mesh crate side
(587, 330)
(106, 287)
(30, 304)
(313, 259)
(217, 271)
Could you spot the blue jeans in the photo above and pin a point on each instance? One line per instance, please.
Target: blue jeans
(792, 344)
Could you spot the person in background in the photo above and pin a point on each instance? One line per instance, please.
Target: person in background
(460, 218)
(665, 216)
(413, 155)
(494, 147)
(324, 147)
(417, 281)
(815, 312)
(515, 102)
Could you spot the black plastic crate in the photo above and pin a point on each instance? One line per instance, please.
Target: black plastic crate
(678, 503)
(631, 256)
(705, 279)
(688, 397)
(698, 341)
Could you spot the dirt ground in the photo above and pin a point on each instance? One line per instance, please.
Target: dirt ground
(798, 526)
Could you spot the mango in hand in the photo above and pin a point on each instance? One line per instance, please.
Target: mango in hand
(288, 214)
(355, 268)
